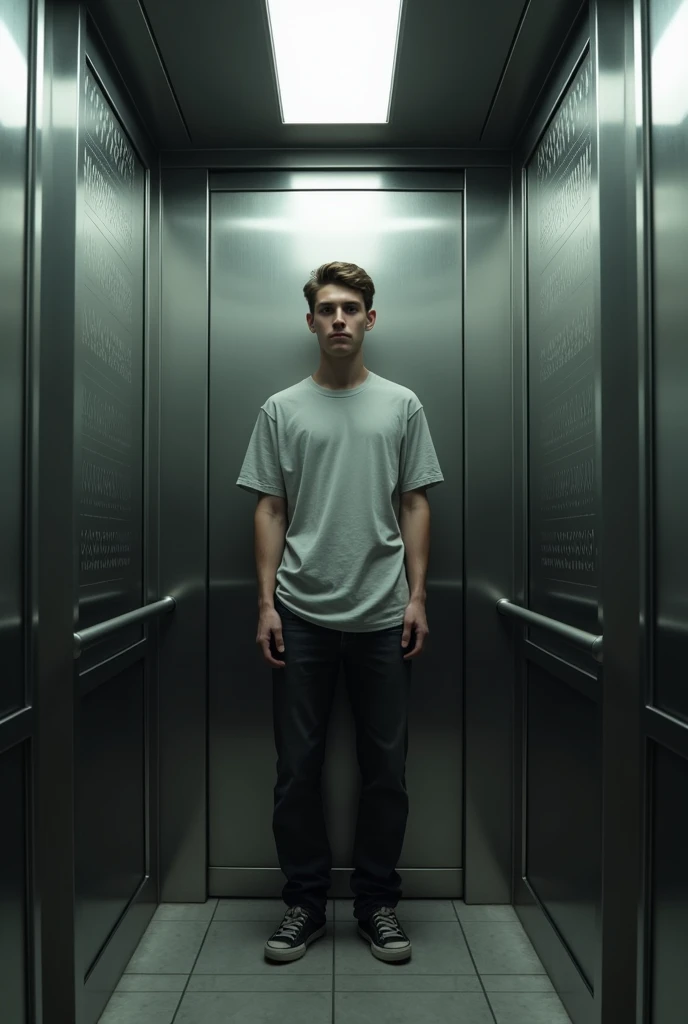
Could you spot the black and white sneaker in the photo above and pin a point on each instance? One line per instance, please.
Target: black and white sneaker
(388, 940)
(297, 930)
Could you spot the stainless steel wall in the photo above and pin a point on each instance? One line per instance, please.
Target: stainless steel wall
(263, 247)
(116, 285)
(108, 451)
(557, 862)
(664, 141)
(183, 543)
(580, 305)
(488, 537)
(563, 762)
(184, 422)
(15, 750)
(82, 295)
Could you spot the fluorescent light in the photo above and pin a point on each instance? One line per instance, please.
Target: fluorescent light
(670, 71)
(13, 84)
(334, 61)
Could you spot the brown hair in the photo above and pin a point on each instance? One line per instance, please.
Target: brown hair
(346, 274)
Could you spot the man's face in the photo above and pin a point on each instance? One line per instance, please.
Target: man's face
(340, 311)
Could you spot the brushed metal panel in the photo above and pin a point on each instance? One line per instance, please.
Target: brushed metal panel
(14, 84)
(419, 883)
(183, 549)
(411, 244)
(13, 915)
(669, 234)
(560, 966)
(110, 813)
(123, 943)
(528, 435)
(617, 174)
(116, 386)
(338, 176)
(488, 536)
(564, 811)
(109, 371)
(53, 284)
(669, 892)
(562, 377)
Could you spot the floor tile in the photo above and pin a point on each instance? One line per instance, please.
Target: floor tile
(281, 981)
(438, 948)
(168, 947)
(516, 983)
(484, 912)
(236, 947)
(141, 1008)
(501, 948)
(396, 981)
(185, 911)
(528, 1008)
(407, 910)
(257, 910)
(152, 983)
(410, 1008)
(255, 1008)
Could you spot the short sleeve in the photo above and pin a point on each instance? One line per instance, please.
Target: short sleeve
(261, 472)
(418, 462)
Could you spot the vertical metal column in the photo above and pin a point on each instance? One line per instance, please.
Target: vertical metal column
(488, 536)
(59, 976)
(612, 49)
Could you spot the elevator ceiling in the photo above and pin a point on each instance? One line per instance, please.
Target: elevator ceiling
(202, 76)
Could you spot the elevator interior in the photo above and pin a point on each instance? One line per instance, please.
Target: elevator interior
(524, 211)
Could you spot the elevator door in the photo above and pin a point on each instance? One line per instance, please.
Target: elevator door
(264, 245)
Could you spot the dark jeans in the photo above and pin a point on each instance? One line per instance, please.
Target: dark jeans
(378, 682)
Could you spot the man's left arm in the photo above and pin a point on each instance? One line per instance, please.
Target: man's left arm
(415, 532)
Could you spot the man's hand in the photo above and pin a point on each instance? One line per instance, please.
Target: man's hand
(414, 621)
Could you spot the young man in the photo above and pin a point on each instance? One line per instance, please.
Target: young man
(341, 462)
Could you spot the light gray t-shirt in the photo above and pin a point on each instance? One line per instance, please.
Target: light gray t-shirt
(341, 459)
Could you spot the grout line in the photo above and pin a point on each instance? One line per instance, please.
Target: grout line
(470, 953)
(188, 979)
(334, 939)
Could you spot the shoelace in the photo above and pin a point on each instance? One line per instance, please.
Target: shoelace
(385, 920)
(293, 919)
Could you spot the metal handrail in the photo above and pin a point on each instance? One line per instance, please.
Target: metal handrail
(588, 641)
(149, 611)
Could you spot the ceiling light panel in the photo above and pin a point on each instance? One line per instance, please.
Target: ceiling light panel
(334, 61)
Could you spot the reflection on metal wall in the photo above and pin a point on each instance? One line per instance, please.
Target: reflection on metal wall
(666, 935)
(15, 850)
(109, 370)
(563, 505)
(669, 143)
(14, 43)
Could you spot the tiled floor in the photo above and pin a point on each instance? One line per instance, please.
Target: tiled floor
(203, 964)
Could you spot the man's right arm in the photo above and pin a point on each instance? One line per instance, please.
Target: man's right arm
(270, 526)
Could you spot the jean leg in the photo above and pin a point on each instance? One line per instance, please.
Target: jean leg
(303, 692)
(378, 682)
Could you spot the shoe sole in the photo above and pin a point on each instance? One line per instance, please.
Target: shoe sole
(389, 956)
(287, 955)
